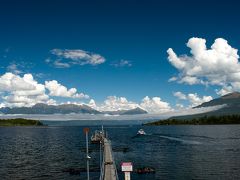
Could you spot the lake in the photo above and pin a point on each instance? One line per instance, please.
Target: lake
(176, 152)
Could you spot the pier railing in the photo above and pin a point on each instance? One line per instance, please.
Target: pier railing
(108, 169)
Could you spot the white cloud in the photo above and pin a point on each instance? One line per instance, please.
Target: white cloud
(75, 57)
(12, 82)
(172, 79)
(59, 64)
(225, 90)
(26, 91)
(122, 63)
(21, 91)
(180, 95)
(215, 66)
(155, 105)
(56, 89)
(13, 67)
(179, 106)
(92, 104)
(193, 99)
(114, 103)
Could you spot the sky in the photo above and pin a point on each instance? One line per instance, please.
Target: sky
(158, 55)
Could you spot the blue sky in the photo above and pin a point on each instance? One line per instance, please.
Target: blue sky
(132, 36)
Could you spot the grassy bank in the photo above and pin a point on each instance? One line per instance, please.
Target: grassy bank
(20, 122)
(205, 120)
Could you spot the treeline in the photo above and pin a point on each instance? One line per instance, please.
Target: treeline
(20, 122)
(205, 120)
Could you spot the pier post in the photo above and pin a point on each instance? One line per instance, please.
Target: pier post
(86, 130)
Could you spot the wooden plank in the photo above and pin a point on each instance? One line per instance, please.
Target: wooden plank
(110, 171)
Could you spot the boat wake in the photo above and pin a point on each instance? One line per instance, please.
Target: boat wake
(180, 140)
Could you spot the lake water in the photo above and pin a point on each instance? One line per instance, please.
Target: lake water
(176, 152)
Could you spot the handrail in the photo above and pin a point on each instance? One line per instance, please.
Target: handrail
(103, 166)
(102, 170)
(116, 173)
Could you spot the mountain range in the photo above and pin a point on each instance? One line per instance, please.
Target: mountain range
(41, 108)
(230, 105)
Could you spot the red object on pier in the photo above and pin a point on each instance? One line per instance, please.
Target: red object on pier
(86, 130)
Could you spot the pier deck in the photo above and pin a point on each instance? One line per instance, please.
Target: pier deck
(110, 172)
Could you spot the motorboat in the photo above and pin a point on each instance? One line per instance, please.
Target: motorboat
(141, 132)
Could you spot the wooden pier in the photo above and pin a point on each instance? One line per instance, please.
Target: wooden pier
(110, 172)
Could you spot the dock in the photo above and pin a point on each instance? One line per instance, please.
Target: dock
(108, 167)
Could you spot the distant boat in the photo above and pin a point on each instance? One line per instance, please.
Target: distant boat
(141, 132)
(97, 137)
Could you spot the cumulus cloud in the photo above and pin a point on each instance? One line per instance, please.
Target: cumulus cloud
(193, 99)
(179, 106)
(114, 103)
(215, 66)
(21, 91)
(225, 90)
(155, 105)
(152, 105)
(92, 104)
(68, 57)
(24, 90)
(180, 95)
(57, 89)
(12, 82)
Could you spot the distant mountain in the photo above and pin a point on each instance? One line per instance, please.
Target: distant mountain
(230, 102)
(41, 108)
(50, 109)
(134, 111)
(126, 112)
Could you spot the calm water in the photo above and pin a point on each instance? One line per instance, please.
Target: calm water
(176, 152)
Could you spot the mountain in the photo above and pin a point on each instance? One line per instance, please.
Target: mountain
(230, 105)
(231, 102)
(126, 112)
(134, 111)
(231, 99)
(41, 108)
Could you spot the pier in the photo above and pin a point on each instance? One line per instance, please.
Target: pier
(107, 165)
(110, 171)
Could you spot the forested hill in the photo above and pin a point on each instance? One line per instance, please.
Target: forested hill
(20, 122)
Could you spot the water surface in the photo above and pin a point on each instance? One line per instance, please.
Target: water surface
(176, 152)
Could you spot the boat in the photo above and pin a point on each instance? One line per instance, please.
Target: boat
(141, 132)
(97, 137)
(145, 170)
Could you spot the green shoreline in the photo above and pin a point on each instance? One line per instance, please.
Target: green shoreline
(19, 122)
(205, 120)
